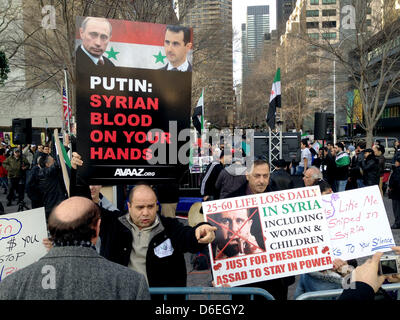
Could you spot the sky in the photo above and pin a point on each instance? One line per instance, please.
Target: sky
(239, 10)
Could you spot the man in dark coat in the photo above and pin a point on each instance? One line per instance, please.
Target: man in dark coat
(370, 168)
(280, 178)
(50, 183)
(356, 161)
(328, 166)
(258, 182)
(72, 269)
(207, 188)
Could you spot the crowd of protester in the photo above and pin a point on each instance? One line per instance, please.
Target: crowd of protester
(151, 242)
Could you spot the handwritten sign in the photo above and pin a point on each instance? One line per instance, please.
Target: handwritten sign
(357, 223)
(267, 236)
(21, 236)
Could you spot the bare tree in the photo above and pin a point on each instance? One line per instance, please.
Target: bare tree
(43, 53)
(369, 55)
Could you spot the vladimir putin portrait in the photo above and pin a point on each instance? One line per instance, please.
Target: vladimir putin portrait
(95, 34)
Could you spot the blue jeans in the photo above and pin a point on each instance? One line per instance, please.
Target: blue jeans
(309, 283)
(299, 171)
(360, 183)
(341, 185)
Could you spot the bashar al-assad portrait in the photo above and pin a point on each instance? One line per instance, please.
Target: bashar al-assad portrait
(239, 233)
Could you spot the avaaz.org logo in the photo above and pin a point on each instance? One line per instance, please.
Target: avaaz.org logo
(128, 172)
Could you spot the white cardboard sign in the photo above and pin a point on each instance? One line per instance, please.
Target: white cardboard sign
(267, 236)
(357, 222)
(21, 236)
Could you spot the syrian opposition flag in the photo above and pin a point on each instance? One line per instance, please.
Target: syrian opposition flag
(198, 114)
(274, 100)
(135, 44)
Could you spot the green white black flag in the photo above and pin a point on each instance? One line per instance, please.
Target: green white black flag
(274, 100)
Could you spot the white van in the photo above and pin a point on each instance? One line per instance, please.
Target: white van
(388, 143)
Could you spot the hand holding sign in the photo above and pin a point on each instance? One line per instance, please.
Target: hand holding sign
(76, 160)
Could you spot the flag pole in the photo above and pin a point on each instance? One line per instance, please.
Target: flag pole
(66, 93)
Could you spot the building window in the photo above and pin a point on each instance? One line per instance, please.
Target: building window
(329, 35)
(312, 24)
(314, 36)
(329, 13)
(311, 94)
(329, 24)
(328, 1)
(312, 13)
(314, 1)
(312, 82)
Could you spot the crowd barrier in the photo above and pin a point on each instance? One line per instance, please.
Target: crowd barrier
(337, 292)
(210, 292)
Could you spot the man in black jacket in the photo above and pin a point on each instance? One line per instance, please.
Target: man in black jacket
(50, 183)
(258, 182)
(370, 168)
(280, 179)
(328, 166)
(149, 243)
(207, 188)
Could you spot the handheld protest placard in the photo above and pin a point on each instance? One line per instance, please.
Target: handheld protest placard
(268, 235)
(357, 222)
(21, 236)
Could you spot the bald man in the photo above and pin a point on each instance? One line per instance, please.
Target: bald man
(72, 269)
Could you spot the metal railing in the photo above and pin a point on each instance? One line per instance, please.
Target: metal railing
(338, 292)
(210, 292)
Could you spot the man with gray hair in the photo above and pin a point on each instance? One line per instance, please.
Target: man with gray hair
(95, 34)
(312, 176)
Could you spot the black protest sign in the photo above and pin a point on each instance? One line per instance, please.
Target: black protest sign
(122, 114)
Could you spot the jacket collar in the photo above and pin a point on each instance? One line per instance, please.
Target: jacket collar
(158, 226)
(71, 251)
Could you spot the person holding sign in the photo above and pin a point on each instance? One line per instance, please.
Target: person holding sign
(177, 45)
(95, 34)
(258, 182)
(72, 269)
(146, 241)
(150, 243)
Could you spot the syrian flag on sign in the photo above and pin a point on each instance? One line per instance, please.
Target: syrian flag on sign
(198, 114)
(274, 100)
(135, 45)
